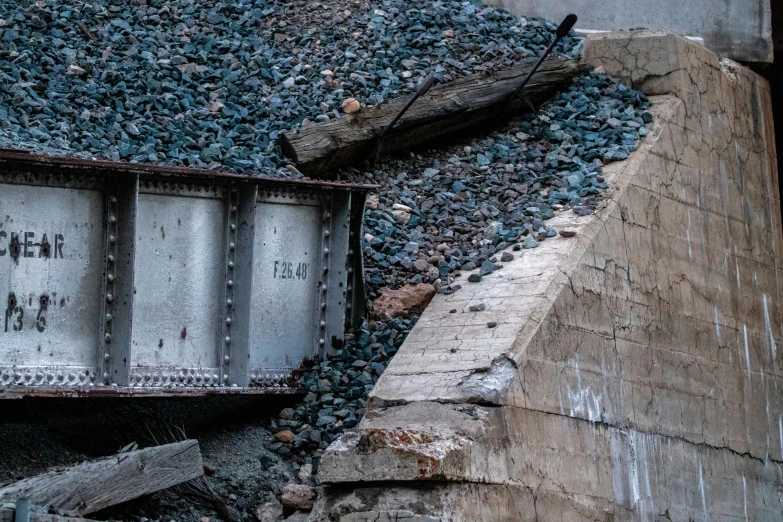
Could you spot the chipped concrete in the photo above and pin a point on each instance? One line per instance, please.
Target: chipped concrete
(633, 374)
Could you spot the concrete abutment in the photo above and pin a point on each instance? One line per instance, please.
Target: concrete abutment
(633, 373)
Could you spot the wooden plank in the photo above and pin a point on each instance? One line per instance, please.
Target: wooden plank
(459, 107)
(92, 486)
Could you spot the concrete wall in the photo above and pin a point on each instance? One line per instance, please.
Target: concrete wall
(633, 373)
(736, 29)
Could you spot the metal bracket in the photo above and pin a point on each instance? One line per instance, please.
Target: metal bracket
(240, 231)
(336, 231)
(120, 203)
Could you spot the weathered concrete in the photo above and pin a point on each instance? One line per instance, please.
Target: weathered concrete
(736, 29)
(633, 373)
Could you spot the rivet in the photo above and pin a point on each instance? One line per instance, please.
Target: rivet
(350, 270)
(231, 264)
(323, 306)
(349, 288)
(112, 219)
(327, 216)
(348, 306)
(326, 251)
(109, 298)
(229, 302)
(107, 337)
(230, 282)
(108, 318)
(228, 340)
(225, 378)
(110, 277)
(226, 359)
(105, 376)
(323, 288)
(112, 239)
(114, 199)
(111, 258)
(233, 208)
(323, 324)
(321, 342)
(326, 269)
(233, 226)
(106, 356)
(350, 252)
(326, 233)
(231, 245)
(228, 320)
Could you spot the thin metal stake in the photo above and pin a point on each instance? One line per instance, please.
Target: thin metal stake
(425, 86)
(565, 26)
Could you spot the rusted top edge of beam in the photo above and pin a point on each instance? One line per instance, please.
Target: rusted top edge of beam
(20, 392)
(32, 160)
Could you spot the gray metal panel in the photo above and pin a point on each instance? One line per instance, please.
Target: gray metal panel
(63, 334)
(286, 284)
(179, 271)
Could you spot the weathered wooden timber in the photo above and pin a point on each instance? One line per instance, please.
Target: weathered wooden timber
(92, 486)
(446, 110)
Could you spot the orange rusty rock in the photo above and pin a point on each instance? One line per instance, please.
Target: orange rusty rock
(410, 299)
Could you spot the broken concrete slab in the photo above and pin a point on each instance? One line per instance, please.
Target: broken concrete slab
(634, 368)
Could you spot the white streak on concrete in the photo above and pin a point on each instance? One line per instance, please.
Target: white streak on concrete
(703, 492)
(717, 327)
(745, 495)
(770, 338)
(747, 351)
(633, 469)
(780, 431)
(688, 235)
(766, 398)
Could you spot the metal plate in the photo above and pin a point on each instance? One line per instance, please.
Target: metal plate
(286, 284)
(64, 333)
(178, 275)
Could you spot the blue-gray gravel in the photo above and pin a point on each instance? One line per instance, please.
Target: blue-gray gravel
(213, 83)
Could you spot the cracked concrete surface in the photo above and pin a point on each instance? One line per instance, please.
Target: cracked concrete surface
(633, 373)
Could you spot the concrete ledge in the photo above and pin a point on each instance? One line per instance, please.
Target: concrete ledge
(633, 373)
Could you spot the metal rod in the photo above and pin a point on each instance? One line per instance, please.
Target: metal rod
(425, 86)
(565, 26)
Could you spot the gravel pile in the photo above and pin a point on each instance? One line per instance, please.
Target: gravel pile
(453, 208)
(213, 83)
(338, 389)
